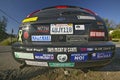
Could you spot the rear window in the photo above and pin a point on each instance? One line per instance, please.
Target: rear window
(60, 12)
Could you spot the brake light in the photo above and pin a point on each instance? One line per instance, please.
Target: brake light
(61, 7)
(32, 13)
(97, 34)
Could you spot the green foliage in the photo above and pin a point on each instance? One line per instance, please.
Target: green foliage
(110, 24)
(3, 24)
(115, 34)
(118, 26)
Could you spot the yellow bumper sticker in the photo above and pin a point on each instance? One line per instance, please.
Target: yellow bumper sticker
(30, 19)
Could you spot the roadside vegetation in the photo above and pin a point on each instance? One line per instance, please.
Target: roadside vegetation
(8, 41)
(114, 30)
(5, 38)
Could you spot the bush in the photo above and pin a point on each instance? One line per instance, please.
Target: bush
(115, 34)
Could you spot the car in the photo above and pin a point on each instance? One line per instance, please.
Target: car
(63, 36)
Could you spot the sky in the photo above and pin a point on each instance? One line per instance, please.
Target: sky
(19, 9)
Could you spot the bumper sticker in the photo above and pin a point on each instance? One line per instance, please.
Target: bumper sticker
(44, 56)
(30, 19)
(79, 27)
(41, 38)
(101, 55)
(63, 49)
(86, 17)
(61, 64)
(62, 57)
(36, 63)
(24, 55)
(79, 57)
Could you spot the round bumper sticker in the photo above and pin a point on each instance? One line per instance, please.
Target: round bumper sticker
(62, 57)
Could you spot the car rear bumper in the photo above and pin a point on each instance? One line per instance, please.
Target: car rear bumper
(80, 55)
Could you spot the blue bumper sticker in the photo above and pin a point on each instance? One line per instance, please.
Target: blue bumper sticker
(44, 56)
(101, 55)
(79, 57)
(41, 38)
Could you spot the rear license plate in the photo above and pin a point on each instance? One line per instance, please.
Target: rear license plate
(79, 57)
(61, 29)
(101, 55)
(41, 38)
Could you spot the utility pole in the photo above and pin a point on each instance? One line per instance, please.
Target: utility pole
(12, 35)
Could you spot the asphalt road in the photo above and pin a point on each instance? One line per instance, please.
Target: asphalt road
(7, 63)
(6, 60)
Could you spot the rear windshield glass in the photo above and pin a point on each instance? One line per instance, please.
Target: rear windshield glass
(60, 12)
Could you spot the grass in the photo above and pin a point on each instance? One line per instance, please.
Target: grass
(116, 39)
(7, 41)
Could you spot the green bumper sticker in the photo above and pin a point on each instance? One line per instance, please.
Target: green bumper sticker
(61, 64)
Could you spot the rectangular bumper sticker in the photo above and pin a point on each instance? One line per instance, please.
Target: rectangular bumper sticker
(41, 38)
(79, 27)
(79, 57)
(24, 55)
(36, 63)
(61, 64)
(86, 17)
(101, 55)
(44, 56)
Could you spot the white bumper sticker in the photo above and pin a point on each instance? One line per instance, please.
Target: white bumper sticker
(79, 27)
(24, 55)
(86, 17)
(36, 63)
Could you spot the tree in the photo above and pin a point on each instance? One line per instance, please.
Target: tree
(110, 24)
(118, 26)
(3, 25)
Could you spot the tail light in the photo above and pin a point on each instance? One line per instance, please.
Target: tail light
(97, 34)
